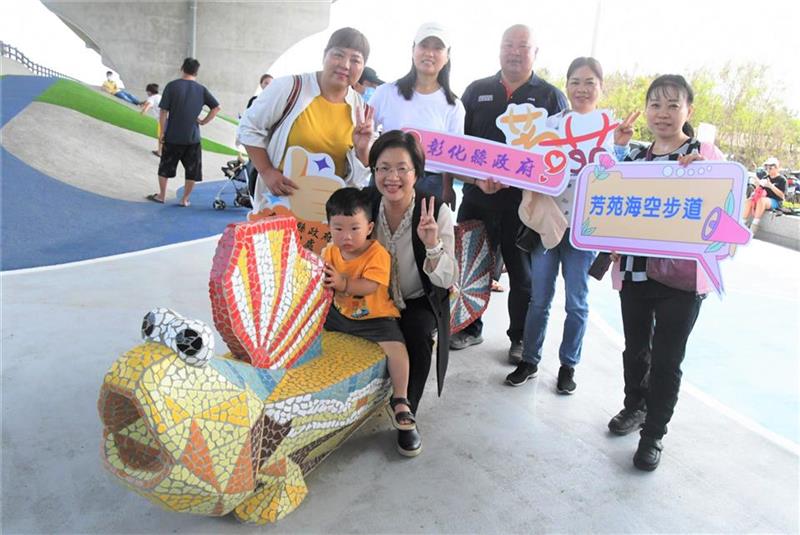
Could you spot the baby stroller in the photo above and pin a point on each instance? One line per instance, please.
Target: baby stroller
(237, 171)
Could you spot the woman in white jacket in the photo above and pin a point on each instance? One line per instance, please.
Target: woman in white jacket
(318, 111)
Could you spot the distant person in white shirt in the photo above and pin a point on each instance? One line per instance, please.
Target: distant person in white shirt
(423, 99)
(151, 105)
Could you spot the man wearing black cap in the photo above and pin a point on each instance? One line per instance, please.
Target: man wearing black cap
(367, 83)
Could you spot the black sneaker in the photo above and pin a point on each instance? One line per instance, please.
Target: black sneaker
(565, 383)
(462, 340)
(648, 454)
(520, 376)
(626, 421)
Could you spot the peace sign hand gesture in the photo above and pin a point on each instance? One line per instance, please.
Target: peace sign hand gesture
(624, 132)
(428, 229)
(362, 132)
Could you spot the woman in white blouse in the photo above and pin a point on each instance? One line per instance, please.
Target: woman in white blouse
(418, 233)
(423, 99)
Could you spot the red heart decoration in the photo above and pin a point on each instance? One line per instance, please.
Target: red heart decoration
(555, 168)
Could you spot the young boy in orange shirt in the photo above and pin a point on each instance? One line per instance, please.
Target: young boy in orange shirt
(357, 269)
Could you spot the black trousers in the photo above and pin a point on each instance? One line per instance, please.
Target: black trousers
(657, 321)
(418, 324)
(501, 227)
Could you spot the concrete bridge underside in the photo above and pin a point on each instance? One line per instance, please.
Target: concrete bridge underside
(235, 42)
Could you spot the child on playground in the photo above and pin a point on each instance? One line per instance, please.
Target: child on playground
(151, 105)
(357, 269)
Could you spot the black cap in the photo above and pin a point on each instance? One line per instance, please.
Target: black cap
(369, 75)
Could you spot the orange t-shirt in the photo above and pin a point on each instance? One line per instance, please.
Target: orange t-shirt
(374, 264)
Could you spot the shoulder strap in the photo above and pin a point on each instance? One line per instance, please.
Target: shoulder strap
(290, 102)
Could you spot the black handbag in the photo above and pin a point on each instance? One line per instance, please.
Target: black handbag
(527, 239)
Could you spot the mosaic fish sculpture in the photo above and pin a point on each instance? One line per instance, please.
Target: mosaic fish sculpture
(207, 434)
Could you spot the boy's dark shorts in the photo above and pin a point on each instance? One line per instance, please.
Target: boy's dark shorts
(189, 155)
(375, 329)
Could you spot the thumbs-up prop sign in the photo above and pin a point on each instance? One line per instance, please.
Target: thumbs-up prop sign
(314, 175)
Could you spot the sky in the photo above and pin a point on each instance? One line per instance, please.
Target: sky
(651, 38)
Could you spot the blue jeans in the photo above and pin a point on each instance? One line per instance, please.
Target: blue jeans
(124, 95)
(544, 271)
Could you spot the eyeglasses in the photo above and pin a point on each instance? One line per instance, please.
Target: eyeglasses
(386, 171)
(770, 166)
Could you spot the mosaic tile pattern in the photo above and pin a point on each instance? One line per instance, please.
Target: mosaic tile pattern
(191, 340)
(475, 261)
(314, 235)
(267, 297)
(203, 440)
(210, 435)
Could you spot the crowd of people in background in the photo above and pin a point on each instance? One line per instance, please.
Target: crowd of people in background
(392, 262)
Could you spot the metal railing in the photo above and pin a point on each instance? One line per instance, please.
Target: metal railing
(8, 51)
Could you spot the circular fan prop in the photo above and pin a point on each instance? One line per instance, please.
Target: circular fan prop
(475, 262)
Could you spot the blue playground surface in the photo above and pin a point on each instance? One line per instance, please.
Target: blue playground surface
(45, 221)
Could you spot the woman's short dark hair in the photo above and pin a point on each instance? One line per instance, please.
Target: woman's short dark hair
(584, 61)
(667, 85)
(399, 139)
(349, 38)
(152, 88)
(190, 66)
(405, 85)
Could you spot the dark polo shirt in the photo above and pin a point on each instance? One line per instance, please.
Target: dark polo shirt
(485, 100)
(184, 100)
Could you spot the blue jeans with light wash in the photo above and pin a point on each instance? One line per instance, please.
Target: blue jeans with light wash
(544, 272)
(124, 95)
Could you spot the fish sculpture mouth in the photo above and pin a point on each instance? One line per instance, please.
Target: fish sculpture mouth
(130, 448)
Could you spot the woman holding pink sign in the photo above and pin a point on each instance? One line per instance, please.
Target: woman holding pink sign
(549, 217)
(418, 233)
(660, 297)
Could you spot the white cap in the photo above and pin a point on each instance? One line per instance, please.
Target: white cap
(432, 29)
(772, 161)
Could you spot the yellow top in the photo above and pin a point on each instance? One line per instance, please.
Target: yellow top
(375, 265)
(111, 86)
(324, 127)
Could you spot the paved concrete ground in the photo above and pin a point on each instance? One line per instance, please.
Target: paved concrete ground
(495, 459)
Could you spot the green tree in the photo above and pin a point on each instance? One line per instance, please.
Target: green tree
(741, 101)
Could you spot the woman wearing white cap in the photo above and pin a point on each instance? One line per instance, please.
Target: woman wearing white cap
(768, 196)
(423, 99)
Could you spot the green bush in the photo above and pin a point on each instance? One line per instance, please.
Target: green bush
(80, 98)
